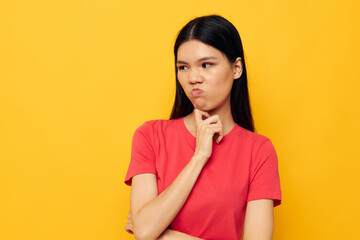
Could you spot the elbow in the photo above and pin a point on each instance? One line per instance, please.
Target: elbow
(146, 228)
(142, 235)
(143, 232)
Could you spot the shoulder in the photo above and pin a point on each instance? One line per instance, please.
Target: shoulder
(155, 127)
(251, 137)
(255, 141)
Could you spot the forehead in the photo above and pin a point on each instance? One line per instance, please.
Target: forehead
(195, 49)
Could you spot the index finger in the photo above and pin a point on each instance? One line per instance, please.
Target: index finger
(199, 115)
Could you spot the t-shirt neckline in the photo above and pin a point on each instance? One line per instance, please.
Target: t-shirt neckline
(192, 138)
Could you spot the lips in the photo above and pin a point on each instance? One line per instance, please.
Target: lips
(196, 92)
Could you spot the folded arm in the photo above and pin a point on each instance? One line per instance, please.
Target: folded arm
(168, 234)
(153, 213)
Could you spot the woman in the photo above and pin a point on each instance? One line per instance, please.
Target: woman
(204, 174)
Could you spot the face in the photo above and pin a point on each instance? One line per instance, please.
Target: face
(206, 75)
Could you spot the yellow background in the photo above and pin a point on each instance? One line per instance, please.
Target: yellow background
(78, 77)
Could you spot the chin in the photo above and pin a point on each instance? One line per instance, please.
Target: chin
(203, 108)
(200, 106)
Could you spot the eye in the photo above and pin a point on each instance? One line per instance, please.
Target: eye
(182, 68)
(206, 65)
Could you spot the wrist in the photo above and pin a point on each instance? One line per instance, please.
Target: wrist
(199, 158)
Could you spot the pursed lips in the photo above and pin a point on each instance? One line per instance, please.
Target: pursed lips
(196, 92)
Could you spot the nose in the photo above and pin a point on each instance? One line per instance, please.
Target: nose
(195, 76)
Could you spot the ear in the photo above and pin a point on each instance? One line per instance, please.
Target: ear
(238, 68)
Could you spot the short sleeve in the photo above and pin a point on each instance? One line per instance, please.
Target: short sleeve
(264, 174)
(142, 154)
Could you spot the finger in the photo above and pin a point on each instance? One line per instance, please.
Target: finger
(204, 115)
(200, 116)
(218, 132)
(211, 120)
(214, 130)
(221, 135)
(197, 117)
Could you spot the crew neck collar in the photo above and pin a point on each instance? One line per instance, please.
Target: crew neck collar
(192, 138)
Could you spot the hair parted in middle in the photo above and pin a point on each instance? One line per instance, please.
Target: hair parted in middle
(219, 33)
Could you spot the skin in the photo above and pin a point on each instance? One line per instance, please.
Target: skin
(206, 77)
(203, 67)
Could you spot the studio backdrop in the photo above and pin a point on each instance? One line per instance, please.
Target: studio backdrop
(78, 77)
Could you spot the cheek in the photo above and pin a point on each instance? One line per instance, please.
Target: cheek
(181, 77)
(183, 85)
(222, 80)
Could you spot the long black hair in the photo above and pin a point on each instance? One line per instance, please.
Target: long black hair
(219, 33)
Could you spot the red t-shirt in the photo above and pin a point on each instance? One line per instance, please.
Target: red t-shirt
(243, 167)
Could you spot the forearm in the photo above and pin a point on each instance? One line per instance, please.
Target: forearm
(175, 235)
(155, 216)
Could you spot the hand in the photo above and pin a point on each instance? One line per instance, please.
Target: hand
(208, 128)
(128, 226)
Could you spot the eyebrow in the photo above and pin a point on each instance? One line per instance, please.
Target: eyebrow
(200, 60)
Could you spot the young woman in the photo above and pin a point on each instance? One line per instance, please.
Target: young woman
(204, 174)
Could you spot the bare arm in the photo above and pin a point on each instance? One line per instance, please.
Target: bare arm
(168, 234)
(259, 220)
(153, 213)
